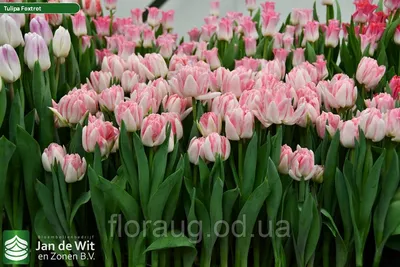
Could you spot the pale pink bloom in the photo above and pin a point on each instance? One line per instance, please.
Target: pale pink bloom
(79, 24)
(201, 47)
(223, 103)
(265, 80)
(209, 123)
(250, 45)
(369, 73)
(285, 159)
(392, 122)
(91, 7)
(302, 165)
(332, 32)
(131, 114)
(212, 58)
(86, 42)
(195, 150)
(298, 77)
(186, 49)
(119, 24)
(166, 46)
(102, 25)
(192, 82)
(40, 26)
(251, 5)
(167, 19)
(99, 80)
(288, 42)
(21, 20)
(10, 67)
(225, 30)
(128, 80)
(207, 31)
(110, 4)
(239, 124)
(61, 43)
(150, 67)
(273, 67)
(161, 87)
(368, 40)
(53, 154)
(249, 99)
(36, 50)
(301, 16)
(126, 49)
(327, 121)
(298, 56)
(99, 132)
(211, 20)
(234, 16)
(392, 4)
(111, 97)
(249, 28)
(322, 69)
(383, 102)
(237, 81)
(148, 38)
(177, 104)
(146, 97)
(215, 146)
(278, 41)
(154, 17)
(340, 93)
(281, 54)
(268, 6)
(74, 168)
(194, 34)
(100, 54)
(372, 124)
(311, 107)
(217, 78)
(115, 42)
(397, 36)
(214, 8)
(248, 63)
(311, 32)
(176, 125)
(133, 33)
(89, 97)
(137, 16)
(364, 10)
(113, 64)
(178, 61)
(153, 132)
(395, 86)
(69, 110)
(349, 132)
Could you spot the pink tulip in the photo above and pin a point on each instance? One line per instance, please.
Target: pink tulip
(126, 49)
(194, 34)
(151, 67)
(311, 108)
(349, 132)
(395, 86)
(311, 31)
(195, 151)
(281, 54)
(99, 132)
(74, 168)
(10, 31)
(79, 24)
(332, 33)
(248, 63)
(364, 10)
(166, 45)
(269, 22)
(10, 68)
(99, 81)
(299, 77)
(21, 20)
(238, 81)
(133, 33)
(110, 4)
(36, 50)
(249, 27)
(392, 4)
(392, 122)
(153, 130)
(223, 103)
(301, 16)
(225, 30)
(128, 80)
(40, 26)
(175, 103)
(102, 25)
(176, 125)
(137, 16)
(209, 123)
(111, 97)
(131, 114)
(100, 54)
(302, 165)
(298, 56)
(285, 159)
(383, 102)
(91, 7)
(250, 45)
(373, 124)
(115, 42)
(53, 154)
(216, 145)
(86, 42)
(214, 8)
(340, 93)
(212, 58)
(397, 36)
(239, 124)
(207, 31)
(154, 18)
(327, 121)
(148, 38)
(251, 5)
(369, 73)
(147, 98)
(167, 19)
(113, 64)
(322, 70)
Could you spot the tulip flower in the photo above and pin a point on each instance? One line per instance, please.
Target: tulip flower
(10, 68)
(128, 80)
(132, 115)
(369, 73)
(19, 19)
(36, 51)
(216, 145)
(392, 122)
(154, 18)
(269, 23)
(340, 93)
(113, 64)
(364, 10)
(327, 122)
(101, 133)
(328, 2)
(372, 124)
(311, 31)
(223, 103)
(99, 81)
(249, 28)
(322, 70)
(212, 58)
(167, 19)
(102, 25)
(91, 7)
(214, 8)
(111, 97)
(153, 132)
(298, 56)
(176, 125)
(319, 174)
(195, 150)
(239, 124)
(302, 165)
(349, 132)
(301, 16)
(397, 36)
(10, 32)
(383, 101)
(79, 24)
(53, 154)
(166, 45)
(137, 16)
(74, 168)
(285, 159)
(40, 26)
(251, 5)
(395, 86)
(209, 123)
(332, 32)
(225, 30)
(110, 4)
(61, 43)
(392, 4)
(250, 45)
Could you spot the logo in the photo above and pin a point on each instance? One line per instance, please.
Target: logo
(15, 247)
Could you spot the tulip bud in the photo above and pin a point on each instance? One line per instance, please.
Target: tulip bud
(79, 24)
(250, 45)
(74, 168)
(311, 31)
(212, 58)
(61, 43)
(225, 30)
(327, 121)
(209, 123)
(298, 56)
(91, 7)
(10, 68)
(395, 86)
(195, 151)
(285, 159)
(384, 102)
(132, 115)
(86, 42)
(99, 132)
(36, 50)
(239, 124)
(319, 174)
(302, 165)
(397, 35)
(216, 145)
(176, 124)
(332, 33)
(115, 65)
(110, 4)
(129, 80)
(328, 2)
(214, 8)
(111, 97)
(40, 26)
(349, 132)
(372, 124)
(153, 132)
(137, 16)
(99, 81)
(10, 32)
(369, 73)
(392, 121)
(52, 154)
(251, 5)
(167, 19)
(153, 18)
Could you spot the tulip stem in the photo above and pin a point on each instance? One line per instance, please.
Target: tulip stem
(241, 160)
(194, 106)
(111, 22)
(58, 64)
(11, 89)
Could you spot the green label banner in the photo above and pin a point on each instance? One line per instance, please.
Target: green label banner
(38, 8)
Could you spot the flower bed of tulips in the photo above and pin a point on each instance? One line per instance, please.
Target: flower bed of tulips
(251, 142)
